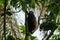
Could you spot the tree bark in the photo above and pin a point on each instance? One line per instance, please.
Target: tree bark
(26, 25)
(4, 27)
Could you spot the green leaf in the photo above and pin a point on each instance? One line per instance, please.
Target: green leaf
(59, 28)
(49, 25)
(56, 9)
(28, 1)
(24, 6)
(14, 2)
(32, 37)
(10, 37)
(23, 29)
(32, 4)
(22, 38)
(1, 2)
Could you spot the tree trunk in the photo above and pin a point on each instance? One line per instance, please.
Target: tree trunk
(26, 25)
(4, 27)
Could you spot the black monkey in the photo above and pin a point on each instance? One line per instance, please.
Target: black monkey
(31, 22)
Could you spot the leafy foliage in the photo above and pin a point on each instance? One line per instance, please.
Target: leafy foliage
(10, 37)
(50, 25)
(23, 29)
(53, 7)
(32, 38)
(59, 28)
(1, 2)
(55, 37)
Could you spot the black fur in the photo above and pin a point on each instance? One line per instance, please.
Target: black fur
(31, 22)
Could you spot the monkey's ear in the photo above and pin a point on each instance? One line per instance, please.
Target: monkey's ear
(26, 12)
